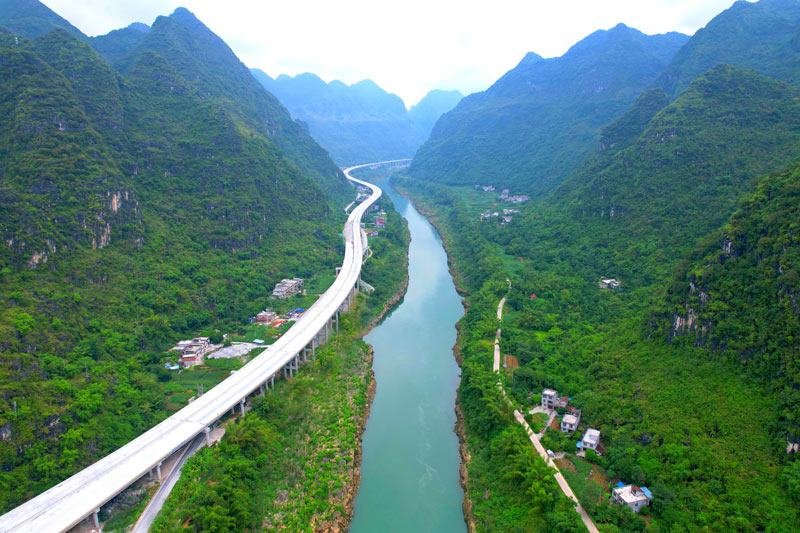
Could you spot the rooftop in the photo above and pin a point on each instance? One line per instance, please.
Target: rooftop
(570, 419)
(549, 392)
(631, 493)
(591, 435)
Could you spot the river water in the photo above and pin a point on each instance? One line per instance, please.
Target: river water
(410, 452)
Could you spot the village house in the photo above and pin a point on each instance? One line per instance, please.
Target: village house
(606, 283)
(551, 400)
(267, 316)
(191, 351)
(549, 397)
(632, 496)
(287, 287)
(591, 439)
(571, 420)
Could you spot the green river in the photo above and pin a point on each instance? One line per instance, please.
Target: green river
(410, 452)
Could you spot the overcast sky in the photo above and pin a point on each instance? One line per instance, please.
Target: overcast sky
(409, 47)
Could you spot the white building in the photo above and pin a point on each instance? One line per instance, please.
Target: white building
(287, 287)
(591, 439)
(606, 283)
(632, 496)
(570, 421)
(549, 397)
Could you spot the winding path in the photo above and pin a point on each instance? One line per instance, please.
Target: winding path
(587, 521)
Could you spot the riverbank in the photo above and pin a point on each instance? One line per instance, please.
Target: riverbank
(497, 461)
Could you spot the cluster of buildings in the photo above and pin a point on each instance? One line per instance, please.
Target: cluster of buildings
(606, 283)
(287, 287)
(506, 196)
(630, 495)
(571, 419)
(486, 188)
(504, 219)
(191, 352)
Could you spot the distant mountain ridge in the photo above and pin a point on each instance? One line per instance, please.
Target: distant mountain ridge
(360, 122)
(529, 130)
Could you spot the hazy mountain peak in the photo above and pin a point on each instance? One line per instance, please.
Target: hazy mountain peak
(139, 26)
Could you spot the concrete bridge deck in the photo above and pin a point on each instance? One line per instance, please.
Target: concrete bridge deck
(82, 495)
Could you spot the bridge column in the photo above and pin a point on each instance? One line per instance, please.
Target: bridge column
(261, 389)
(207, 431)
(272, 381)
(244, 400)
(96, 518)
(337, 320)
(158, 471)
(327, 330)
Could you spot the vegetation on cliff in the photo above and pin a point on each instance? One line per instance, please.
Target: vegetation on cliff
(139, 205)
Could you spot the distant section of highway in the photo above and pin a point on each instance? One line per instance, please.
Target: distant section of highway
(82, 495)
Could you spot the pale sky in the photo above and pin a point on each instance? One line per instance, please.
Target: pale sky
(408, 47)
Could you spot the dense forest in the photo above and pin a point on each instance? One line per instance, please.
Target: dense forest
(144, 200)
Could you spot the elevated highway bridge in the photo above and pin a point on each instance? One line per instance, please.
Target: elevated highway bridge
(82, 495)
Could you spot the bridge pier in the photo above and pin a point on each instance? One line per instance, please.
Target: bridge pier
(158, 471)
(337, 320)
(243, 402)
(207, 431)
(96, 518)
(272, 381)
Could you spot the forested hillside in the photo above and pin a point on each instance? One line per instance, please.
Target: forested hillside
(689, 368)
(738, 292)
(139, 205)
(360, 122)
(531, 128)
(754, 35)
(653, 189)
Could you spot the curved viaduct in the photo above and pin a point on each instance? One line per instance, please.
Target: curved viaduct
(82, 495)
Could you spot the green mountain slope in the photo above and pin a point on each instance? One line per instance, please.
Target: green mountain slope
(739, 291)
(116, 45)
(360, 122)
(691, 376)
(636, 204)
(32, 19)
(137, 207)
(531, 128)
(763, 36)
